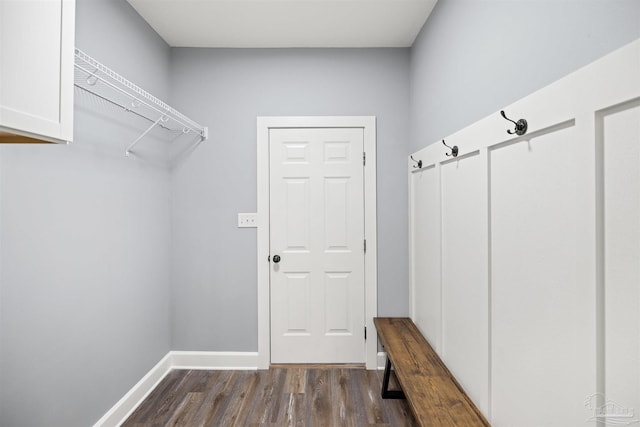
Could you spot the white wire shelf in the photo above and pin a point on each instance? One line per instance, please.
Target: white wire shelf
(101, 81)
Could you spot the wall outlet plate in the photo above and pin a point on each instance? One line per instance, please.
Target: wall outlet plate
(246, 220)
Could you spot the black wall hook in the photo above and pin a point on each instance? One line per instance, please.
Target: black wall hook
(454, 150)
(521, 125)
(418, 164)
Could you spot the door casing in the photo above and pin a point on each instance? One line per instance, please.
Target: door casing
(368, 124)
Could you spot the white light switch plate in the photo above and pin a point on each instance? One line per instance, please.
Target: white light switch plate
(247, 220)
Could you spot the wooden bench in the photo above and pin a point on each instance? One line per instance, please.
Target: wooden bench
(433, 394)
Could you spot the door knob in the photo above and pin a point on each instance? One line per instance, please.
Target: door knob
(276, 258)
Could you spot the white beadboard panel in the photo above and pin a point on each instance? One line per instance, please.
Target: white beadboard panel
(465, 309)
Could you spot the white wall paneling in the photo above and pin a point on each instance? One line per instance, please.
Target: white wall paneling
(525, 252)
(540, 278)
(425, 252)
(464, 271)
(619, 179)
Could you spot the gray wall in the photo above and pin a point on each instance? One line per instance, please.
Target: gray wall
(214, 262)
(464, 65)
(107, 263)
(85, 247)
(474, 57)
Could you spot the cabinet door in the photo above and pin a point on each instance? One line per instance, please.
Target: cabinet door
(36, 68)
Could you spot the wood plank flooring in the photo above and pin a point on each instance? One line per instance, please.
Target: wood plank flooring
(280, 396)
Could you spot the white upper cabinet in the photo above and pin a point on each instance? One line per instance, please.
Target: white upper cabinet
(36, 70)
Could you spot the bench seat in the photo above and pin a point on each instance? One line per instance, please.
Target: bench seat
(433, 394)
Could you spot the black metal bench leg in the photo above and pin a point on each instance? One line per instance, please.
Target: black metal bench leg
(386, 393)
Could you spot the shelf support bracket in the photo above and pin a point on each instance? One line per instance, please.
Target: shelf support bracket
(161, 119)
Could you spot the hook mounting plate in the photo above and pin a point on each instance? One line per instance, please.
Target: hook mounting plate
(521, 125)
(454, 149)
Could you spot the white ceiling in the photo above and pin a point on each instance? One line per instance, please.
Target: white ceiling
(286, 23)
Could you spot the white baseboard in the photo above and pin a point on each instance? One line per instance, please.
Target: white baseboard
(382, 360)
(130, 401)
(214, 360)
(218, 360)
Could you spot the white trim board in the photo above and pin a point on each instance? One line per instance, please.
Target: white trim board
(134, 397)
(212, 360)
(218, 360)
(368, 124)
(382, 360)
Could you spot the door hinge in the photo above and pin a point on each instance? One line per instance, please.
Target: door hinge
(365, 332)
(364, 158)
(365, 246)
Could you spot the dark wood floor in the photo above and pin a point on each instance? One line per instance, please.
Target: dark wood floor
(283, 396)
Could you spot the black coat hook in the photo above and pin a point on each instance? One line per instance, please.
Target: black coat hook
(454, 149)
(521, 125)
(418, 164)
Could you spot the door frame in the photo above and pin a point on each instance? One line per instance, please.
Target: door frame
(368, 124)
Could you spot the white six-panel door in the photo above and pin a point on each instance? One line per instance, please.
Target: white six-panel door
(317, 231)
